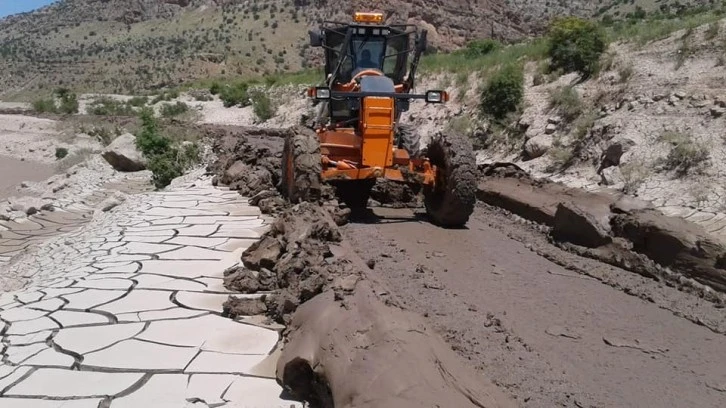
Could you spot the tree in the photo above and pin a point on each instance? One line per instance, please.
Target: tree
(575, 45)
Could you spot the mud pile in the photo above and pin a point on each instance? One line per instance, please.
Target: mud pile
(612, 228)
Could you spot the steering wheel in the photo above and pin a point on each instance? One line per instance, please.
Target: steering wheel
(353, 84)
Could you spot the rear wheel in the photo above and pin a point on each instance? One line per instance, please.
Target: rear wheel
(451, 201)
(301, 166)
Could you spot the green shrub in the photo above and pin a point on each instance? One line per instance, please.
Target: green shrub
(60, 153)
(478, 48)
(575, 45)
(567, 102)
(138, 101)
(110, 107)
(150, 141)
(168, 110)
(686, 156)
(503, 92)
(164, 168)
(68, 101)
(44, 106)
(165, 160)
(215, 89)
(262, 106)
(235, 95)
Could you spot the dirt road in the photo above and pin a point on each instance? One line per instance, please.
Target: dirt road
(549, 335)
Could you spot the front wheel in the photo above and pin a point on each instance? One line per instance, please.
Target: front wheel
(301, 166)
(451, 201)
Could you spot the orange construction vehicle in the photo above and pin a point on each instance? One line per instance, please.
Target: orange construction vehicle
(358, 138)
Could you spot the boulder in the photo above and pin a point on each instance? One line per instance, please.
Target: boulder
(537, 146)
(122, 154)
(575, 225)
(615, 151)
(675, 243)
(551, 128)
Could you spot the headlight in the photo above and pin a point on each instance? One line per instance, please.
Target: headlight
(436, 96)
(322, 93)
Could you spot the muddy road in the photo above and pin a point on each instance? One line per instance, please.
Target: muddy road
(573, 332)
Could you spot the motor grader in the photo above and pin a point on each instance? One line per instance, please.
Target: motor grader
(358, 136)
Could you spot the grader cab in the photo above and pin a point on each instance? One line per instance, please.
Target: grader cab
(357, 137)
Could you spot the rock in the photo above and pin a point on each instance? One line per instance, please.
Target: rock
(24, 184)
(122, 154)
(262, 254)
(673, 100)
(234, 172)
(611, 176)
(59, 187)
(680, 94)
(4, 217)
(721, 102)
(627, 204)
(675, 243)
(555, 120)
(575, 225)
(550, 129)
(109, 204)
(537, 146)
(701, 104)
(242, 280)
(614, 152)
(659, 97)
(18, 207)
(235, 307)
(717, 112)
(31, 211)
(47, 207)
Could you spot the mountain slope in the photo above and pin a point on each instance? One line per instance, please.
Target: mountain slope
(132, 45)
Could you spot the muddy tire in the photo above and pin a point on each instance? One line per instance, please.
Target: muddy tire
(354, 193)
(301, 166)
(409, 139)
(451, 202)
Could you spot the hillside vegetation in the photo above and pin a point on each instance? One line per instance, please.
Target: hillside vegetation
(128, 47)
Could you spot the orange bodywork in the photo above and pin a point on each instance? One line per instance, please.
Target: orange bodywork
(349, 155)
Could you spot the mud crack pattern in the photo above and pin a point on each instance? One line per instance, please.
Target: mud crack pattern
(125, 311)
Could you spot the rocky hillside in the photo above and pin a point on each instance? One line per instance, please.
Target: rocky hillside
(128, 46)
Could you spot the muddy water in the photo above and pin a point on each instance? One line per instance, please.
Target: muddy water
(13, 172)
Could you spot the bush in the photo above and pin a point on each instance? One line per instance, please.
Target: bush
(567, 102)
(165, 160)
(44, 106)
(67, 103)
(168, 110)
(235, 95)
(685, 156)
(60, 153)
(138, 101)
(262, 106)
(149, 141)
(110, 107)
(478, 48)
(503, 92)
(575, 45)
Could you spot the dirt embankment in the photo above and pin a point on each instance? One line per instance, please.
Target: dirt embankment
(614, 228)
(316, 284)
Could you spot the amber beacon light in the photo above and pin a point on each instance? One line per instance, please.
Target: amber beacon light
(368, 18)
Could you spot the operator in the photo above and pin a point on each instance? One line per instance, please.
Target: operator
(366, 61)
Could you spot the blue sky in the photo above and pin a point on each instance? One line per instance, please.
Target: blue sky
(8, 7)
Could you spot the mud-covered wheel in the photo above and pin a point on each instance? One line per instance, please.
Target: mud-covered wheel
(301, 166)
(409, 139)
(451, 202)
(354, 193)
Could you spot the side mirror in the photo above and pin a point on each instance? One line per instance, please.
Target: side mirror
(423, 42)
(316, 38)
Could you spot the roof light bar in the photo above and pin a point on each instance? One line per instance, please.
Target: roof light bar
(376, 18)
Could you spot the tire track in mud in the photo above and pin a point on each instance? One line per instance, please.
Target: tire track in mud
(538, 329)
